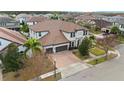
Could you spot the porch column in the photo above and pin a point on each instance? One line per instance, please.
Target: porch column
(54, 49)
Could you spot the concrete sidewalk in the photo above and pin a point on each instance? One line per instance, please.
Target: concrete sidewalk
(66, 71)
(74, 68)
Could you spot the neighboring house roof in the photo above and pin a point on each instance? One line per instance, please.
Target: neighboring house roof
(8, 22)
(55, 28)
(6, 19)
(115, 18)
(90, 16)
(85, 17)
(11, 35)
(36, 19)
(102, 23)
(22, 15)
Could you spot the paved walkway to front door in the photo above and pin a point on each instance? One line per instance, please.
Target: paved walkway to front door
(64, 58)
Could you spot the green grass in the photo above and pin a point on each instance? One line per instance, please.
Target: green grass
(99, 60)
(102, 59)
(120, 39)
(77, 54)
(53, 78)
(97, 51)
(96, 32)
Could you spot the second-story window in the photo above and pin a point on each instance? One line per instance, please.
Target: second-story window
(73, 34)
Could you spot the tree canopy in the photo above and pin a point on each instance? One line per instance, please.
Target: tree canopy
(32, 44)
(12, 59)
(84, 47)
(24, 28)
(115, 30)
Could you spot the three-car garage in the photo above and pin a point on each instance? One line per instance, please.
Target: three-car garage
(56, 48)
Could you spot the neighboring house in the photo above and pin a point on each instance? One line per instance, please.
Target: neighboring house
(99, 16)
(57, 35)
(86, 17)
(35, 19)
(9, 23)
(22, 17)
(100, 23)
(8, 36)
(68, 16)
(120, 25)
(114, 18)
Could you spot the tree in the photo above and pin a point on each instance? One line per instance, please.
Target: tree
(24, 28)
(107, 42)
(12, 59)
(96, 28)
(56, 16)
(84, 47)
(88, 26)
(32, 44)
(93, 40)
(115, 30)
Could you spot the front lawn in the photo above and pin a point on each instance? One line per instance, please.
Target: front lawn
(102, 59)
(97, 51)
(120, 39)
(34, 67)
(77, 54)
(53, 78)
(99, 60)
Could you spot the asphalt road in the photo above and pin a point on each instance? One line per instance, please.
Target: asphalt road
(112, 70)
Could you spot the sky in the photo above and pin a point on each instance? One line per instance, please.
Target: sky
(62, 5)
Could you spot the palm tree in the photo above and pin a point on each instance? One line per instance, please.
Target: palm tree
(32, 45)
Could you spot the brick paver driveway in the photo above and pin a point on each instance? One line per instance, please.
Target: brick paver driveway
(64, 58)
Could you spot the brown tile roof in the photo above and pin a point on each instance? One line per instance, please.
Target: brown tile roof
(56, 25)
(85, 17)
(13, 36)
(37, 19)
(55, 28)
(53, 37)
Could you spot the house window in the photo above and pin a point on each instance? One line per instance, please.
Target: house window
(0, 43)
(73, 34)
(84, 32)
(40, 34)
(72, 44)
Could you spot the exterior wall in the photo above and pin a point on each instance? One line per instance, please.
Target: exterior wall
(31, 23)
(14, 24)
(54, 46)
(4, 43)
(36, 34)
(79, 35)
(22, 19)
(21, 48)
(119, 26)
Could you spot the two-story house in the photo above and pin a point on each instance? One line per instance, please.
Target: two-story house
(23, 17)
(120, 25)
(9, 23)
(35, 19)
(8, 36)
(57, 35)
